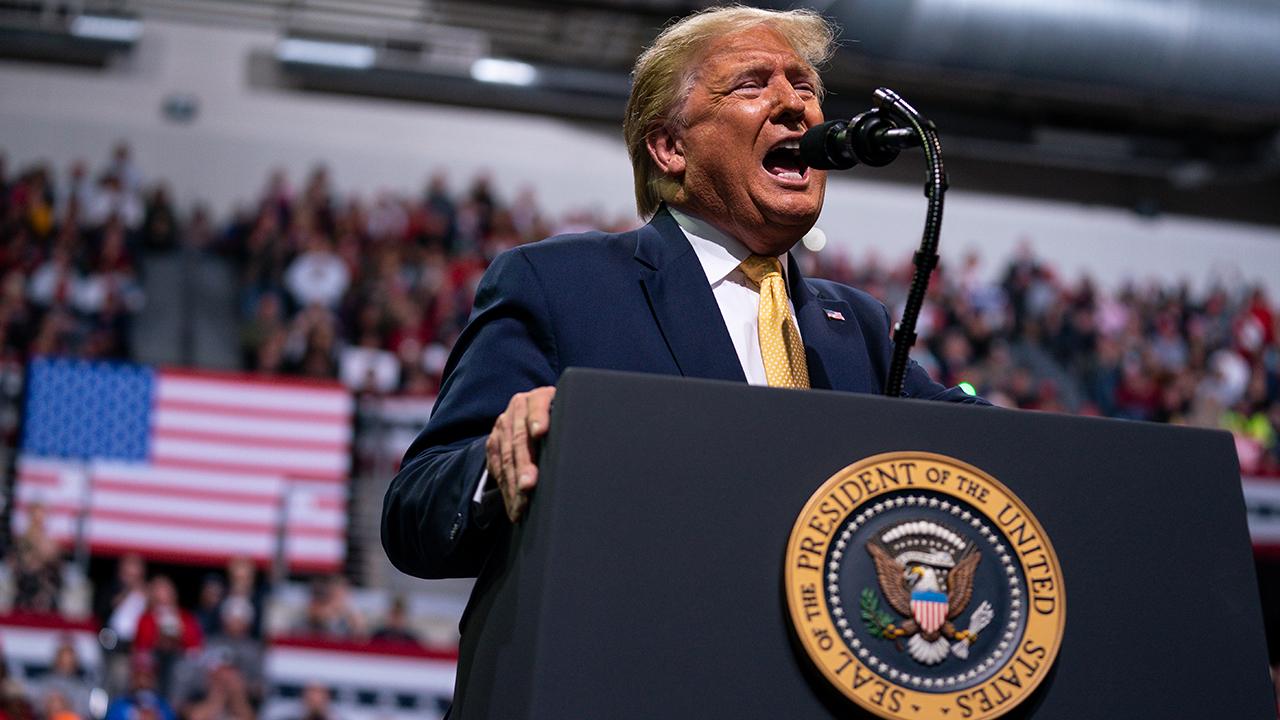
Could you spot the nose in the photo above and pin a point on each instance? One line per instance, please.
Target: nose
(788, 106)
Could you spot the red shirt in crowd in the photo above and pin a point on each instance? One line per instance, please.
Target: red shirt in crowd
(168, 627)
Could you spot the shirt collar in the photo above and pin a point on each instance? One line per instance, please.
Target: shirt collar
(718, 252)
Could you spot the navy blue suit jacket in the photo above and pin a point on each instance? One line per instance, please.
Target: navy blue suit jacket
(636, 301)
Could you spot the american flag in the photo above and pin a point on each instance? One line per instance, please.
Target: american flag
(186, 466)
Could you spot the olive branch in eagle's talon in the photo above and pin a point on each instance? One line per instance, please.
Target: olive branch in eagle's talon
(878, 622)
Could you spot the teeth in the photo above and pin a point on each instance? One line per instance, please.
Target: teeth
(791, 175)
(789, 145)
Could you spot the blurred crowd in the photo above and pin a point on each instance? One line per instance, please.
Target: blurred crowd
(374, 290)
(68, 257)
(165, 660)
(1032, 339)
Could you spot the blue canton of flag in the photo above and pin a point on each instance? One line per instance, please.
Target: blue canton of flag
(78, 410)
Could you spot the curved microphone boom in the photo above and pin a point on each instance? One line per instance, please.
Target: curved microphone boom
(875, 138)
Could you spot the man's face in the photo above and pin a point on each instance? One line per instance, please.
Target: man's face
(737, 157)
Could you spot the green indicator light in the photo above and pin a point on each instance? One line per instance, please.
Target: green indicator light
(967, 388)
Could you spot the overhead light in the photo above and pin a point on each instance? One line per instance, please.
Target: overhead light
(506, 72)
(321, 52)
(101, 27)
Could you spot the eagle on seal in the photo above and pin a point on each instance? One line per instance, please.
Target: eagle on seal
(930, 596)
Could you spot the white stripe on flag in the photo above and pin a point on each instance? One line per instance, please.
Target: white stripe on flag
(39, 492)
(230, 455)
(149, 536)
(269, 487)
(246, 395)
(196, 510)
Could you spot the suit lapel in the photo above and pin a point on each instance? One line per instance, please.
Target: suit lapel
(682, 302)
(835, 349)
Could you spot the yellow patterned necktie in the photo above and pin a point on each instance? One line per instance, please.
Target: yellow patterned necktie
(780, 345)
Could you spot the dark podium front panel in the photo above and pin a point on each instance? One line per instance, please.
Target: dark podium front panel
(646, 581)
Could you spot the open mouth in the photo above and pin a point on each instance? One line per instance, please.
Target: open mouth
(783, 161)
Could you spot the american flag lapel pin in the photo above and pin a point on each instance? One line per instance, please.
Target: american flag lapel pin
(835, 315)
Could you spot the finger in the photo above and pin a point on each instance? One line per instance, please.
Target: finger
(506, 458)
(516, 509)
(513, 440)
(539, 412)
(497, 474)
(493, 457)
(526, 472)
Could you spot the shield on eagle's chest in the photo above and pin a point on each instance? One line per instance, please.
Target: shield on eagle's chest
(930, 609)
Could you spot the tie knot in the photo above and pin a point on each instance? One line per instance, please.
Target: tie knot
(759, 267)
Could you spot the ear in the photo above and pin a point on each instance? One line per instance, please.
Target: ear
(667, 150)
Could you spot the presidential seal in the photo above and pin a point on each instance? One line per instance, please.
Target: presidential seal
(921, 587)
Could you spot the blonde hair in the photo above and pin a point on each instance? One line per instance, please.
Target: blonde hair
(662, 77)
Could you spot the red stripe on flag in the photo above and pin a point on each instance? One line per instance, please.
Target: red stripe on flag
(51, 507)
(41, 479)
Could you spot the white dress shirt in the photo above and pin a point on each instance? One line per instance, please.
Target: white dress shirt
(738, 297)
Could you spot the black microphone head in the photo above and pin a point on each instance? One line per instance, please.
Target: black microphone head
(825, 147)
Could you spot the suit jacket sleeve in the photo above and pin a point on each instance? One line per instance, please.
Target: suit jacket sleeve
(430, 526)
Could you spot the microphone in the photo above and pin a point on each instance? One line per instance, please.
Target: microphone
(870, 138)
(875, 138)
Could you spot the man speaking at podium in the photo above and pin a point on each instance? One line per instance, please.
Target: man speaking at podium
(706, 289)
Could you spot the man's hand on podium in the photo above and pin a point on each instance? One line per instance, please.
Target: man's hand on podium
(512, 448)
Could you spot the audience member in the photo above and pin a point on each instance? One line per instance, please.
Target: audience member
(57, 707)
(315, 703)
(13, 701)
(142, 700)
(67, 681)
(126, 600)
(226, 679)
(329, 612)
(36, 564)
(242, 582)
(208, 612)
(395, 628)
(166, 632)
(225, 697)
